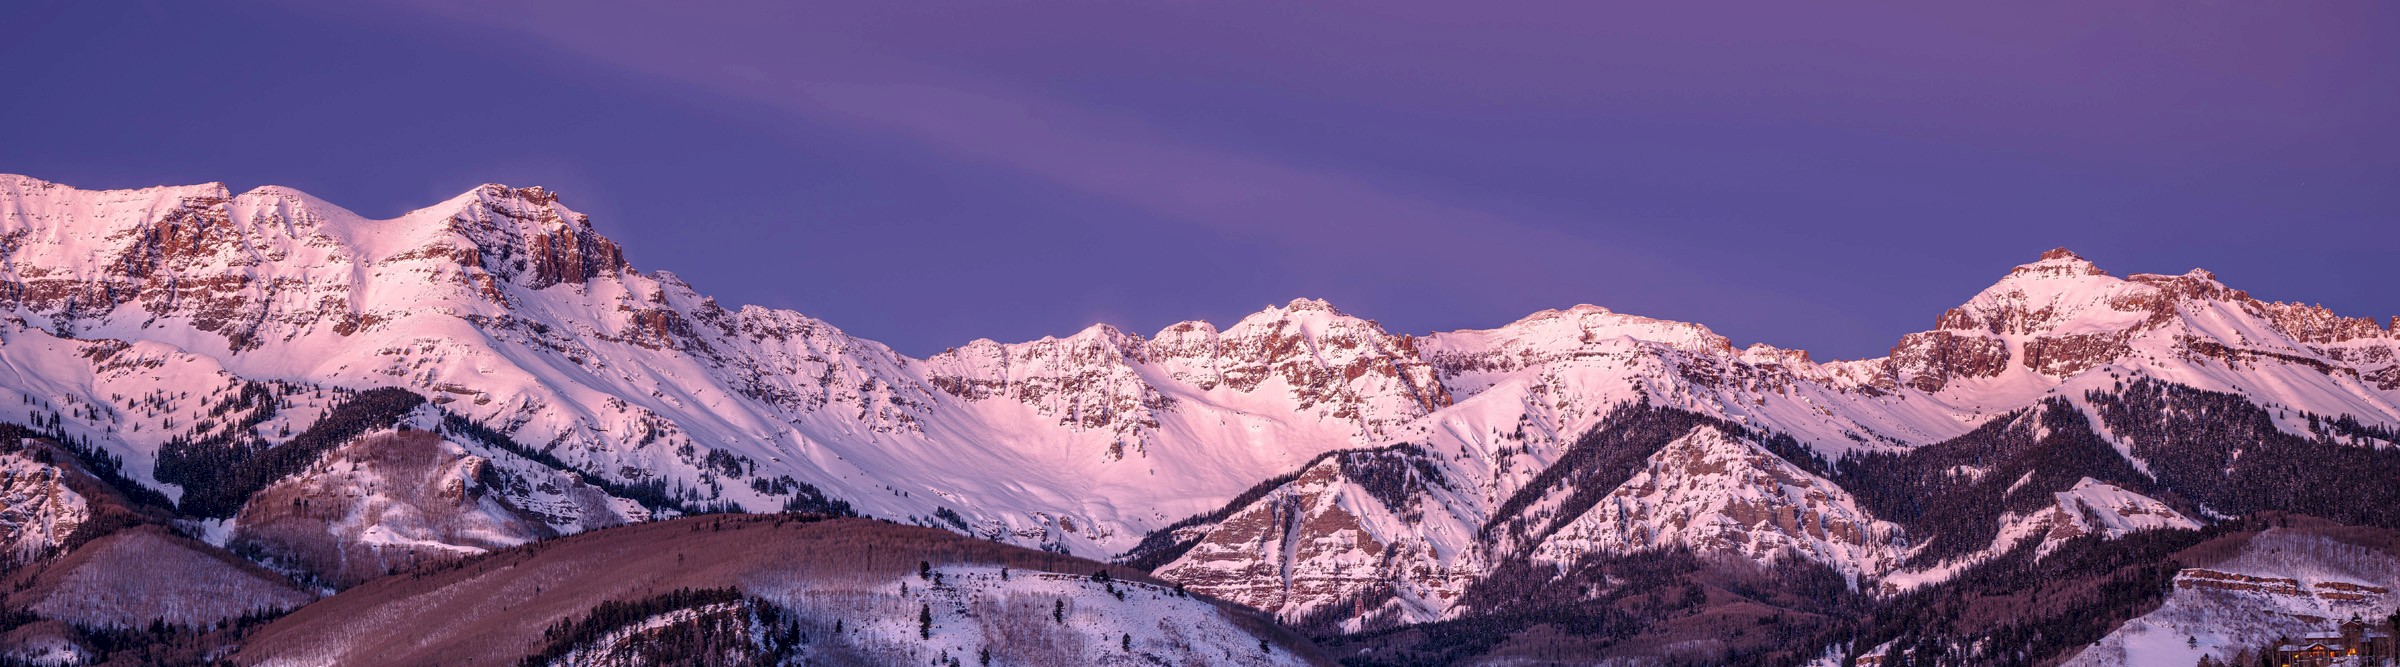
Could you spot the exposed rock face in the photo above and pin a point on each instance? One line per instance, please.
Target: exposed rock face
(2030, 300)
(2337, 591)
(1929, 360)
(37, 510)
(1336, 540)
(2318, 325)
(2068, 355)
(1326, 364)
(1332, 364)
(1314, 549)
(1087, 382)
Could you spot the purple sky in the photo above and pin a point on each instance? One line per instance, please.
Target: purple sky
(1804, 174)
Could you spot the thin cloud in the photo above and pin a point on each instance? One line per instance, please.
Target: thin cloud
(824, 77)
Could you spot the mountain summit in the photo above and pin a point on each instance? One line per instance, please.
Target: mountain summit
(1302, 460)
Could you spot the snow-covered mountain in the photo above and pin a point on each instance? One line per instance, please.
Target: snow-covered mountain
(1303, 460)
(506, 308)
(1511, 482)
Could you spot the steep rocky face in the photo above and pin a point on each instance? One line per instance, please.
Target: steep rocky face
(1305, 357)
(1087, 382)
(1346, 536)
(1929, 360)
(501, 304)
(270, 264)
(37, 509)
(1331, 364)
(1312, 548)
(2034, 298)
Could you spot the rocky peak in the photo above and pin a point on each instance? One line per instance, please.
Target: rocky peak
(1303, 313)
(1554, 336)
(2061, 316)
(1306, 305)
(527, 233)
(1087, 381)
(1345, 367)
(1128, 345)
(2058, 262)
(2036, 298)
(2317, 324)
(2195, 284)
(1764, 354)
(532, 195)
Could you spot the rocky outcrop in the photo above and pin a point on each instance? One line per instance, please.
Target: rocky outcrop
(2317, 325)
(1329, 364)
(1338, 538)
(38, 512)
(2068, 355)
(1324, 364)
(1086, 382)
(1929, 360)
(2033, 298)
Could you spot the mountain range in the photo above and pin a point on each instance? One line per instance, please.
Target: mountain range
(335, 399)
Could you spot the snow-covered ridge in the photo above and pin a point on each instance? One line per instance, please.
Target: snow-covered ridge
(506, 306)
(1720, 494)
(2092, 507)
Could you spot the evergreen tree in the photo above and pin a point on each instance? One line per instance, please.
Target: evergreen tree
(925, 622)
(1126, 642)
(1058, 612)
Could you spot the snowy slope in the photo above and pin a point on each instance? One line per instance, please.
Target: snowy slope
(2283, 583)
(2092, 508)
(1720, 494)
(125, 310)
(975, 608)
(389, 499)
